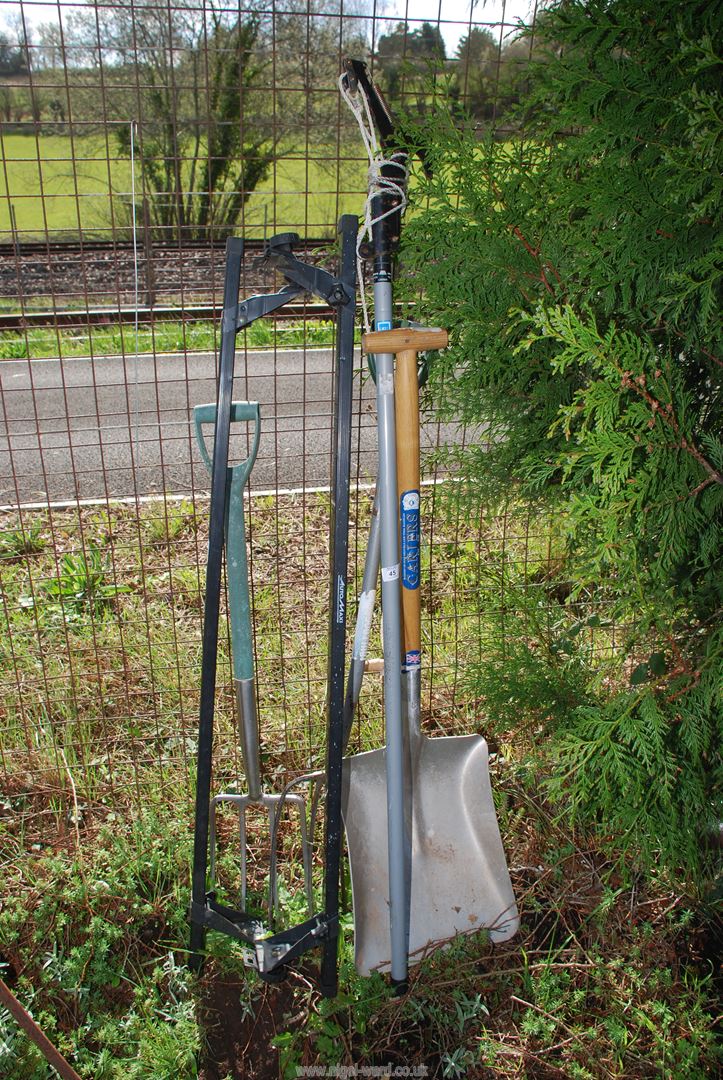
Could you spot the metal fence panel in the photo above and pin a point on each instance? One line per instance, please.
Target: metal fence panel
(134, 137)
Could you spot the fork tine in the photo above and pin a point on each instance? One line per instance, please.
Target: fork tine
(318, 790)
(275, 806)
(242, 841)
(306, 857)
(273, 902)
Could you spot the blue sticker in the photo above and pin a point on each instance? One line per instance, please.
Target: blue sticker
(412, 659)
(409, 513)
(383, 324)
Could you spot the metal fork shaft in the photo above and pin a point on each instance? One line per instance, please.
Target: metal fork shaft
(249, 732)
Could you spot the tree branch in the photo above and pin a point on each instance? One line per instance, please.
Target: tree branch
(666, 414)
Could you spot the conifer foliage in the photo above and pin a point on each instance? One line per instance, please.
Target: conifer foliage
(579, 268)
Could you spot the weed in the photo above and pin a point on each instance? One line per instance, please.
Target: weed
(14, 347)
(22, 540)
(18, 1056)
(80, 587)
(187, 586)
(458, 1062)
(98, 916)
(170, 520)
(91, 926)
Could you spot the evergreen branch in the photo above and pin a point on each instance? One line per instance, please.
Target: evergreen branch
(704, 352)
(665, 412)
(695, 680)
(710, 356)
(696, 490)
(620, 215)
(534, 253)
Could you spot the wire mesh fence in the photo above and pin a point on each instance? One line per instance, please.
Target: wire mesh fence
(135, 137)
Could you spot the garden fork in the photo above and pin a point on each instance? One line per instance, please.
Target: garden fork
(244, 679)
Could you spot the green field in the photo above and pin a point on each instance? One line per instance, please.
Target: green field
(60, 187)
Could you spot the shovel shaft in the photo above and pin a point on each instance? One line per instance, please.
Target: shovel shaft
(405, 343)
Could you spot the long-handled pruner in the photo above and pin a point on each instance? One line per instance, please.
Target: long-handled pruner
(243, 670)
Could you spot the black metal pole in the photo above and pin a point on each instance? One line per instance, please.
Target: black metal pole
(343, 387)
(234, 259)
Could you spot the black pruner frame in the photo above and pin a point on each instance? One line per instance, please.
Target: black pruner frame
(273, 952)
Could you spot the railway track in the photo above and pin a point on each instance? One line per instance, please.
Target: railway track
(108, 281)
(27, 248)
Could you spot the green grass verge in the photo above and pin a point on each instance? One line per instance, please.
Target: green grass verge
(162, 337)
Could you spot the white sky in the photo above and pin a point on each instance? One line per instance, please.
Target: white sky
(454, 16)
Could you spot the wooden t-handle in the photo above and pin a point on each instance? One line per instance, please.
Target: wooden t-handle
(394, 341)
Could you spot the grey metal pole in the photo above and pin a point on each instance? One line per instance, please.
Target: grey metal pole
(391, 622)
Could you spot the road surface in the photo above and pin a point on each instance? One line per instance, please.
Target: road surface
(113, 427)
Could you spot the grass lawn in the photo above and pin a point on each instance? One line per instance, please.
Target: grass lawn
(60, 187)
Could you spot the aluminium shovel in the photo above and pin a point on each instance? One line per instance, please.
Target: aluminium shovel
(457, 877)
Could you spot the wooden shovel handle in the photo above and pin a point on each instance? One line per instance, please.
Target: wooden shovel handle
(406, 342)
(406, 408)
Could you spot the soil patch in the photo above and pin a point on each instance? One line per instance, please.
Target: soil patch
(238, 1044)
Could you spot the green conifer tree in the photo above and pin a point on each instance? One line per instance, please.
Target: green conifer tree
(578, 269)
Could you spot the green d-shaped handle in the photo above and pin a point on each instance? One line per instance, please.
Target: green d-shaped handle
(236, 562)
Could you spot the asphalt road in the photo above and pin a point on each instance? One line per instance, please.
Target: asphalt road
(118, 426)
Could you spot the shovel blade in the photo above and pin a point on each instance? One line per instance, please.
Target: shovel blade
(459, 878)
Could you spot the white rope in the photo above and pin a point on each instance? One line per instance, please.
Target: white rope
(377, 184)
